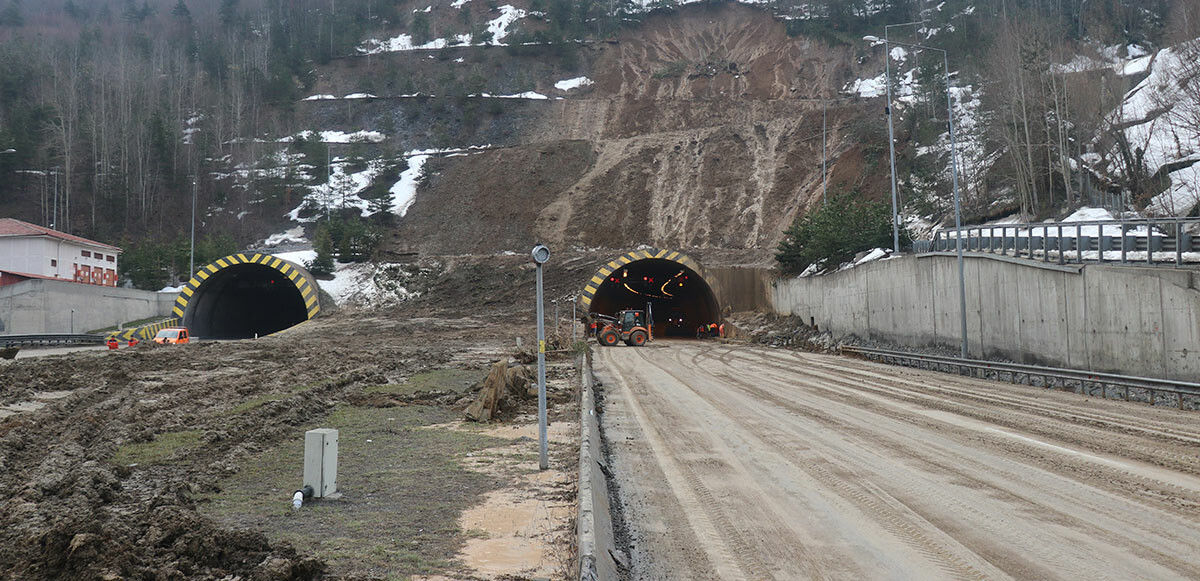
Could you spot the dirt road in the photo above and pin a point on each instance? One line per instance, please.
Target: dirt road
(748, 463)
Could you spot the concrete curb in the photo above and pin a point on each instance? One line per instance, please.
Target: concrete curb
(593, 529)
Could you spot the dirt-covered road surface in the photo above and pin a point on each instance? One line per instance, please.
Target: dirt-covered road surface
(737, 462)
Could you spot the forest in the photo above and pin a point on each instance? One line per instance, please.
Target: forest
(115, 114)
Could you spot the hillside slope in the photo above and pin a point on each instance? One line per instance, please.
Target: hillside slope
(702, 130)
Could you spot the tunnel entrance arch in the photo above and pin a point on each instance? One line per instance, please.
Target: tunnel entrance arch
(242, 296)
(669, 281)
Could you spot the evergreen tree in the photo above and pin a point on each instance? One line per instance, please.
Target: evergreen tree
(11, 15)
(75, 11)
(181, 11)
(322, 265)
(228, 12)
(835, 232)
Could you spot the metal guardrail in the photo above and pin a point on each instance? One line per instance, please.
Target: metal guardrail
(1084, 382)
(49, 339)
(1153, 241)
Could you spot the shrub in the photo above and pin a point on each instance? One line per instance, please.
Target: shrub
(835, 232)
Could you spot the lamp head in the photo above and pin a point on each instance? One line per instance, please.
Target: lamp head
(540, 254)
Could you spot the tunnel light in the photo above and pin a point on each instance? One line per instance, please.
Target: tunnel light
(540, 254)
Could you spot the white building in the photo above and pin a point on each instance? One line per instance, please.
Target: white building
(32, 251)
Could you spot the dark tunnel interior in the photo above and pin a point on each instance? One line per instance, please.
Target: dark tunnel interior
(243, 300)
(679, 298)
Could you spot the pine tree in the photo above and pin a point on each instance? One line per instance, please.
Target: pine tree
(322, 265)
(181, 11)
(11, 15)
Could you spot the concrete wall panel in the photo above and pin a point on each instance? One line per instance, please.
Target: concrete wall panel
(44, 306)
(1133, 320)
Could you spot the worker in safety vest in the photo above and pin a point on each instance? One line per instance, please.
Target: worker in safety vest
(112, 343)
(722, 330)
(712, 330)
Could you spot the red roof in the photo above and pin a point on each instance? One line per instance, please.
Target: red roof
(14, 227)
(27, 275)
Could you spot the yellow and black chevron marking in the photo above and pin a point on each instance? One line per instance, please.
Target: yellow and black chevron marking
(589, 292)
(306, 290)
(145, 332)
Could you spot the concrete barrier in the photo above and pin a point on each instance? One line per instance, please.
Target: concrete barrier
(593, 528)
(1118, 319)
(44, 306)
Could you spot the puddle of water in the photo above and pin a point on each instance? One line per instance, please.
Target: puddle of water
(20, 407)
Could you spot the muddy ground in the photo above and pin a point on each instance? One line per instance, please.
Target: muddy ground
(178, 462)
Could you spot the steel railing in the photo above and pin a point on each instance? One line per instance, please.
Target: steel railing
(1083, 382)
(49, 339)
(1154, 241)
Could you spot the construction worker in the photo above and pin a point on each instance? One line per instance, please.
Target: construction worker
(712, 330)
(133, 341)
(722, 330)
(112, 343)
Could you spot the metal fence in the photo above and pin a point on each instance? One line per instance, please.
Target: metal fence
(1181, 394)
(1155, 241)
(49, 339)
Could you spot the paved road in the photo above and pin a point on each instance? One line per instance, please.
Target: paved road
(746, 463)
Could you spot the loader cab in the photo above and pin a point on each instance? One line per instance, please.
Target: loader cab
(631, 319)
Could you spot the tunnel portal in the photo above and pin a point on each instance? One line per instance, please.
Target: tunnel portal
(240, 296)
(671, 283)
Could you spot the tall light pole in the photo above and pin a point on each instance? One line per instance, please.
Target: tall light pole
(824, 159)
(887, 57)
(540, 255)
(962, 285)
(192, 253)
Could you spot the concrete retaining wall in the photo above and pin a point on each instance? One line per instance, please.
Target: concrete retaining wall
(1130, 320)
(740, 288)
(44, 306)
(594, 527)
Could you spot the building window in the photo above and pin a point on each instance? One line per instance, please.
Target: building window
(53, 262)
(86, 254)
(112, 258)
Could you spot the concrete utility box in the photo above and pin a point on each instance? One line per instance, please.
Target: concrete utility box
(320, 461)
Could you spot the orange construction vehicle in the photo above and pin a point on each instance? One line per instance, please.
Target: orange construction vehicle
(628, 326)
(172, 336)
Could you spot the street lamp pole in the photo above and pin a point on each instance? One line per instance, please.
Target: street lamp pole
(192, 253)
(540, 255)
(887, 46)
(824, 156)
(962, 285)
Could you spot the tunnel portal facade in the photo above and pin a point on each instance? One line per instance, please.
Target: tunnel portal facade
(247, 295)
(669, 282)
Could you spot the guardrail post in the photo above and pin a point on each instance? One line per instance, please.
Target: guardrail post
(1124, 242)
(1060, 244)
(1079, 243)
(1179, 253)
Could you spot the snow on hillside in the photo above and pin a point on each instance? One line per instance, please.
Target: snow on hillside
(497, 30)
(575, 83)
(365, 284)
(1165, 115)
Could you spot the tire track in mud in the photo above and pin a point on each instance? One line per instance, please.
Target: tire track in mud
(709, 525)
(873, 501)
(1095, 423)
(1188, 495)
(1065, 493)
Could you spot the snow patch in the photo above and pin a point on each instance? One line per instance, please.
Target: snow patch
(291, 236)
(568, 84)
